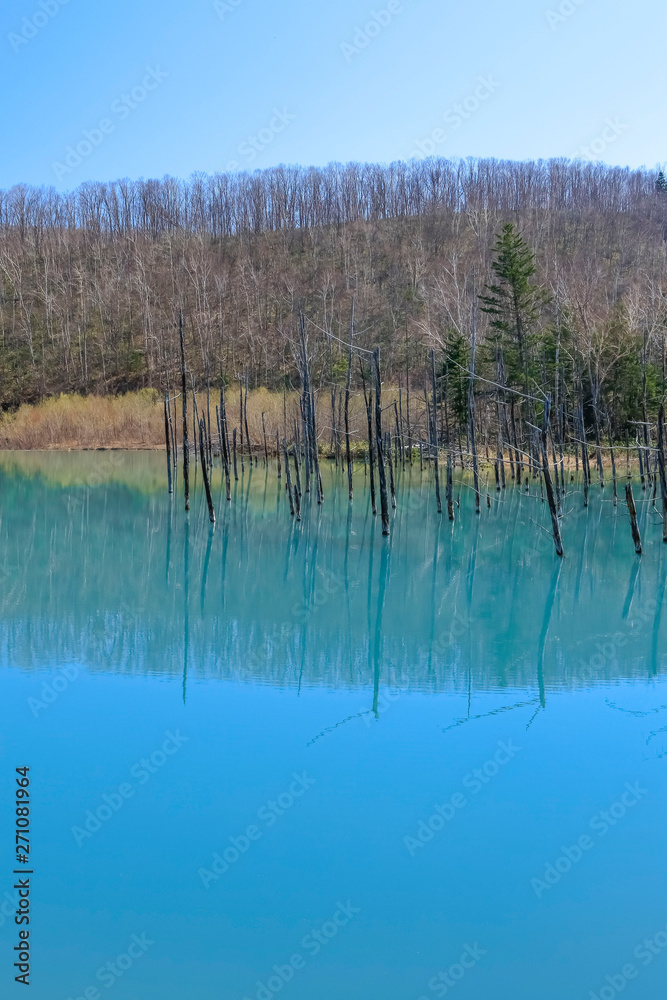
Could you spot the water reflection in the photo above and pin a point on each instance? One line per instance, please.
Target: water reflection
(476, 605)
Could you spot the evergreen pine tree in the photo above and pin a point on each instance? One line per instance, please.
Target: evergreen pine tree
(514, 302)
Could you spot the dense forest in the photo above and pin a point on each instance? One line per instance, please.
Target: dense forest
(559, 267)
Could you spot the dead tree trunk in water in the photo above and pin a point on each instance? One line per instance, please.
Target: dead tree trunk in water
(392, 485)
(435, 437)
(223, 421)
(168, 445)
(661, 466)
(471, 402)
(289, 479)
(450, 487)
(241, 422)
(316, 454)
(613, 465)
(195, 418)
(399, 441)
(348, 454)
(297, 488)
(548, 485)
(407, 412)
(400, 408)
(225, 456)
(636, 537)
(306, 440)
(308, 396)
(584, 454)
(245, 421)
(204, 470)
(641, 464)
(186, 450)
(368, 400)
(172, 432)
(208, 422)
(382, 472)
(297, 473)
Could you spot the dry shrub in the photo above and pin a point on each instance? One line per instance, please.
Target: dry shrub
(71, 421)
(136, 420)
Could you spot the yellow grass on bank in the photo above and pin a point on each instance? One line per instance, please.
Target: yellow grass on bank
(131, 421)
(136, 420)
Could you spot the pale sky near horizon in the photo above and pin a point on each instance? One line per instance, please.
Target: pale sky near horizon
(139, 88)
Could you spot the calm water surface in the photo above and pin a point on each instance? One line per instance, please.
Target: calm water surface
(302, 761)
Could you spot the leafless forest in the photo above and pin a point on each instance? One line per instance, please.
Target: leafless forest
(92, 282)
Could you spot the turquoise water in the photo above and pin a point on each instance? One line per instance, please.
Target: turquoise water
(300, 760)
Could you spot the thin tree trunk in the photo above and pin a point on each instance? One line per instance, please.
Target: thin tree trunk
(382, 472)
(636, 537)
(661, 466)
(289, 479)
(348, 452)
(435, 453)
(204, 470)
(168, 444)
(186, 450)
(555, 526)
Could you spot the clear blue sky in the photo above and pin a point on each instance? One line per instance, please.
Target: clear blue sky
(588, 81)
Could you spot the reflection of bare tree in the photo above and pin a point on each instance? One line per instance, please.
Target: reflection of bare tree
(488, 715)
(548, 611)
(657, 618)
(186, 605)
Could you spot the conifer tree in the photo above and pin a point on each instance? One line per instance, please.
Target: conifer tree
(514, 302)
